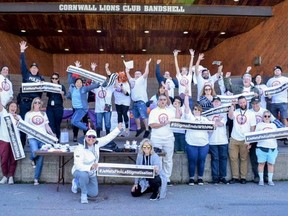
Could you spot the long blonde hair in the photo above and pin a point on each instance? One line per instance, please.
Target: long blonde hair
(32, 105)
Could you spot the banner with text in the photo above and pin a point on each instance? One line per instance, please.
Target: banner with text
(31, 130)
(15, 141)
(41, 87)
(278, 133)
(217, 110)
(275, 89)
(234, 98)
(87, 74)
(125, 170)
(188, 125)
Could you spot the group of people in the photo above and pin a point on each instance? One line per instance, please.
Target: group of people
(242, 117)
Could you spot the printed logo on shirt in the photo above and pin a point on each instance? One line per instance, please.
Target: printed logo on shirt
(5, 86)
(37, 120)
(163, 118)
(241, 119)
(184, 81)
(258, 119)
(102, 94)
(276, 83)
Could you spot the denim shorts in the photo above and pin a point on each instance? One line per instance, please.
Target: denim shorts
(280, 107)
(269, 156)
(139, 109)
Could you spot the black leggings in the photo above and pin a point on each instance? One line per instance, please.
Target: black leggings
(122, 113)
(154, 185)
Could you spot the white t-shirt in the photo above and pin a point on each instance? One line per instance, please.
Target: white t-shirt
(282, 96)
(7, 90)
(242, 121)
(268, 143)
(196, 137)
(38, 120)
(139, 89)
(261, 89)
(158, 115)
(183, 81)
(201, 82)
(4, 136)
(171, 87)
(103, 96)
(219, 135)
(120, 97)
(259, 115)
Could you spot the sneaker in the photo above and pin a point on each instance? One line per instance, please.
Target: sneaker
(243, 181)
(233, 181)
(84, 199)
(146, 134)
(75, 139)
(36, 182)
(215, 181)
(33, 164)
(74, 186)
(200, 182)
(271, 183)
(191, 182)
(224, 181)
(169, 183)
(138, 132)
(11, 180)
(4, 180)
(261, 183)
(154, 196)
(256, 180)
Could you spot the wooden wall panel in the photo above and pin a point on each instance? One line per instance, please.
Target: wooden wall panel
(268, 40)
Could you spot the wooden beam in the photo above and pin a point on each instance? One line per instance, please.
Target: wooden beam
(94, 8)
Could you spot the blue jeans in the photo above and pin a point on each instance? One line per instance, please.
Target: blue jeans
(34, 146)
(107, 120)
(196, 157)
(219, 155)
(88, 184)
(77, 117)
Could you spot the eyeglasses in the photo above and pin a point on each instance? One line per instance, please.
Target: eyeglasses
(37, 102)
(146, 147)
(54, 78)
(208, 89)
(91, 137)
(267, 116)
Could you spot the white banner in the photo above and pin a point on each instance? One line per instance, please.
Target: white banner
(188, 125)
(125, 170)
(15, 141)
(278, 133)
(275, 89)
(41, 87)
(217, 110)
(234, 98)
(87, 74)
(31, 130)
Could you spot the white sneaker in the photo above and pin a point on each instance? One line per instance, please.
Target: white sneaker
(261, 183)
(74, 186)
(33, 164)
(84, 199)
(36, 182)
(271, 183)
(11, 180)
(3, 180)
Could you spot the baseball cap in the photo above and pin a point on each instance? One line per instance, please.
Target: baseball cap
(91, 132)
(33, 64)
(255, 100)
(216, 98)
(277, 67)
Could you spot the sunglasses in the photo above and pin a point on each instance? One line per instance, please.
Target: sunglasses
(91, 137)
(37, 102)
(54, 78)
(267, 116)
(146, 147)
(208, 89)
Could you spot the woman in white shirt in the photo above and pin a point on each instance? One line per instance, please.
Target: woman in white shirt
(38, 119)
(266, 150)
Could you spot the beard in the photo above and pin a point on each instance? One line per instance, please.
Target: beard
(244, 107)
